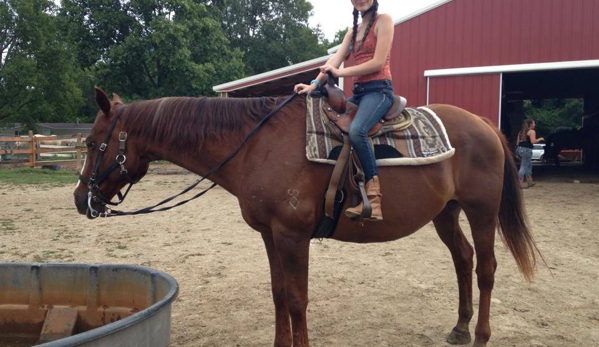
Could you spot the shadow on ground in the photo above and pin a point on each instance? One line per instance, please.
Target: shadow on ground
(567, 172)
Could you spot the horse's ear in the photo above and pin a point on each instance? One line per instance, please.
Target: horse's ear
(102, 101)
(116, 98)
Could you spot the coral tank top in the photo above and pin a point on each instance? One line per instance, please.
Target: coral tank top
(366, 53)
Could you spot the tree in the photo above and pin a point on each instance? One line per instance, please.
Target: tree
(156, 48)
(271, 34)
(93, 26)
(36, 71)
(552, 115)
(52, 55)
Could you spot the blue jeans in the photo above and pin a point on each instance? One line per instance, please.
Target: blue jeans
(374, 98)
(525, 154)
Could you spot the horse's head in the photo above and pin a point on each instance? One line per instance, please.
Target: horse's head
(112, 159)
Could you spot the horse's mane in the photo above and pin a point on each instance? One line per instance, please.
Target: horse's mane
(184, 122)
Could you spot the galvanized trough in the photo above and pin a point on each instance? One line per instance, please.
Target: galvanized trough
(65, 304)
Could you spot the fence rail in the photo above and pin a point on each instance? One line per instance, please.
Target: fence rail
(38, 151)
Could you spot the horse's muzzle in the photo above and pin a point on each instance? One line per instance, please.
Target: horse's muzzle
(82, 204)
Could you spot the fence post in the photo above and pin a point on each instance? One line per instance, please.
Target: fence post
(79, 156)
(33, 146)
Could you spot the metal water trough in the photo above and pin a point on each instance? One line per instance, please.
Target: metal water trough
(64, 304)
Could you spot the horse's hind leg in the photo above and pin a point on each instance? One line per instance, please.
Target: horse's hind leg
(448, 228)
(279, 295)
(482, 216)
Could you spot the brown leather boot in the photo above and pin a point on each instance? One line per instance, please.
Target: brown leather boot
(373, 192)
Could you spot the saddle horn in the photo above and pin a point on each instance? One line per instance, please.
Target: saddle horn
(335, 94)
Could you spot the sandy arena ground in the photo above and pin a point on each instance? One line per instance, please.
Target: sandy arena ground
(402, 293)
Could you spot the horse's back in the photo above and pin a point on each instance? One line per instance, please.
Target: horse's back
(465, 128)
(479, 148)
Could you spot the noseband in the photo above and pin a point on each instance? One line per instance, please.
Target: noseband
(94, 193)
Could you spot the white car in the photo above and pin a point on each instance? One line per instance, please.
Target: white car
(538, 151)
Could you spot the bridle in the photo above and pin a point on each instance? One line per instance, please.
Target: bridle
(95, 194)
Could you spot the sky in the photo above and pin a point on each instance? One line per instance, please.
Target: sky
(335, 15)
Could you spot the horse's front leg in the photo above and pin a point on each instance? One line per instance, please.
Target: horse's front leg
(292, 248)
(279, 294)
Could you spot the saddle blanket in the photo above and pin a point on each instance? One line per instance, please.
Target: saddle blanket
(424, 142)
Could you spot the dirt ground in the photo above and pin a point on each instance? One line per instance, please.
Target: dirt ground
(402, 293)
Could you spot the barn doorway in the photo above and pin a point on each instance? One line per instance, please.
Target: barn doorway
(556, 99)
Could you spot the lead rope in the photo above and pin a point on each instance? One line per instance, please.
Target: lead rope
(114, 213)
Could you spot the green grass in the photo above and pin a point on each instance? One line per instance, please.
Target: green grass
(30, 176)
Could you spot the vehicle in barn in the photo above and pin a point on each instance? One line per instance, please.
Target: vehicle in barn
(538, 152)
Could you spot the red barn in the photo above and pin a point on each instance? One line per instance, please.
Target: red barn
(486, 56)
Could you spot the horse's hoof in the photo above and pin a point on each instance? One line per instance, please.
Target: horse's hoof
(459, 338)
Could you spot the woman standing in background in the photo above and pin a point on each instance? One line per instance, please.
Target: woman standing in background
(527, 137)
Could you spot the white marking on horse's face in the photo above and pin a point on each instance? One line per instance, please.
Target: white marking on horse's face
(81, 173)
(293, 201)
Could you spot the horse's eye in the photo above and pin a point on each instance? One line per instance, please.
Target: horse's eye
(91, 145)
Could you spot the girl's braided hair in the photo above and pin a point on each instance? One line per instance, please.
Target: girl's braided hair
(374, 8)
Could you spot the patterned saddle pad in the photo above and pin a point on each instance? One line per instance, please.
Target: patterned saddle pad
(423, 142)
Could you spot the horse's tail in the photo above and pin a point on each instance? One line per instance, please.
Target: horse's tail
(513, 224)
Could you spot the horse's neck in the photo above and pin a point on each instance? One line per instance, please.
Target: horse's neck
(273, 142)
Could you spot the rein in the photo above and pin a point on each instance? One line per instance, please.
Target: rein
(120, 159)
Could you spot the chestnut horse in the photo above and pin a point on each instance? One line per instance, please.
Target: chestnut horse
(281, 193)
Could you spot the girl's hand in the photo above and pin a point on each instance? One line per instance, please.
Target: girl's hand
(302, 88)
(330, 68)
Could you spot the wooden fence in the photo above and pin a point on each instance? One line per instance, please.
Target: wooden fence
(38, 151)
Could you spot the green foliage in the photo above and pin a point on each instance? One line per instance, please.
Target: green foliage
(552, 114)
(53, 55)
(93, 27)
(339, 36)
(271, 34)
(37, 73)
(155, 48)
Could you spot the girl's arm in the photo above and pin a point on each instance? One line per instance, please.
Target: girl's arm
(533, 137)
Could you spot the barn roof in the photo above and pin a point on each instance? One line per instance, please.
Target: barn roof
(274, 80)
(560, 65)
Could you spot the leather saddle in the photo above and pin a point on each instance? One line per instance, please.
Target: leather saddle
(341, 112)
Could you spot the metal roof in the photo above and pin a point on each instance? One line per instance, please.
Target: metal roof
(270, 75)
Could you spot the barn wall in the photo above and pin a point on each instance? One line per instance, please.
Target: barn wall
(478, 94)
(468, 33)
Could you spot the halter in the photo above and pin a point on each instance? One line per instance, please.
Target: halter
(120, 159)
(95, 194)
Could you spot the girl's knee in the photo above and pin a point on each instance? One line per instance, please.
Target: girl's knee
(355, 133)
